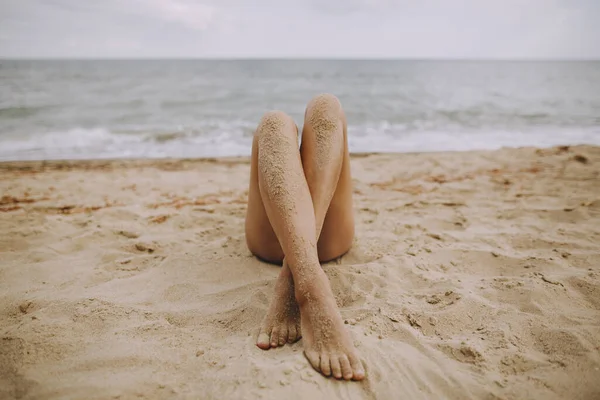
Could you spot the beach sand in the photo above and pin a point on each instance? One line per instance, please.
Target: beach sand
(473, 276)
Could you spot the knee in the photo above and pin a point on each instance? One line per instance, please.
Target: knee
(276, 123)
(324, 113)
(325, 101)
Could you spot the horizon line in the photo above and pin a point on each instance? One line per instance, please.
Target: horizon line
(465, 59)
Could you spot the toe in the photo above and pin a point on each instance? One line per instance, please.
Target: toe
(325, 365)
(275, 337)
(292, 334)
(313, 359)
(336, 368)
(283, 336)
(263, 340)
(358, 372)
(346, 367)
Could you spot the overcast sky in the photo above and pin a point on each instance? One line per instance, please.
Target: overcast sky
(300, 28)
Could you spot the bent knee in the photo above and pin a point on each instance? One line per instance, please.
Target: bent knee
(324, 113)
(276, 122)
(325, 101)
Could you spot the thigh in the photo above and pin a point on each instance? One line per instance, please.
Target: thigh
(260, 237)
(337, 232)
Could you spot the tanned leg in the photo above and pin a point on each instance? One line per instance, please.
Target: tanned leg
(299, 194)
(281, 325)
(326, 165)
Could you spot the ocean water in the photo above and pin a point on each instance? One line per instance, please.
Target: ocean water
(195, 108)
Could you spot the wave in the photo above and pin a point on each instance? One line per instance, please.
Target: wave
(495, 117)
(390, 139)
(234, 138)
(19, 112)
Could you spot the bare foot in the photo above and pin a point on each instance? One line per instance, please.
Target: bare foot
(282, 323)
(327, 344)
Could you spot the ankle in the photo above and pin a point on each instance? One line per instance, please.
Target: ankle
(314, 289)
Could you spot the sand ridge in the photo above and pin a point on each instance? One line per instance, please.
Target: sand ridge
(473, 275)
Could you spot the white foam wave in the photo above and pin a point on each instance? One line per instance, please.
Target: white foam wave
(387, 138)
(234, 140)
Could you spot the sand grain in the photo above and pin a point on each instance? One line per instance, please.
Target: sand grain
(473, 275)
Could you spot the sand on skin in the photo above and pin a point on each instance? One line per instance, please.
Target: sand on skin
(473, 275)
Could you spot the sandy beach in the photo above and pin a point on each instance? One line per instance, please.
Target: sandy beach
(473, 276)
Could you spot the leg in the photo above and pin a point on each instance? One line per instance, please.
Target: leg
(288, 205)
(326, 164)
(260, 237)
(282, 322)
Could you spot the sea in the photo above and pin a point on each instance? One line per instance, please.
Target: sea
(90, 109)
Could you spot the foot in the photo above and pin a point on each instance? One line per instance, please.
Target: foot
(327, 344)
(282, 323)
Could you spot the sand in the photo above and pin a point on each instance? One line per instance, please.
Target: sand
(473, 276)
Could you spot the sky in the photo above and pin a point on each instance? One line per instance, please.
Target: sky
(505, 29)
